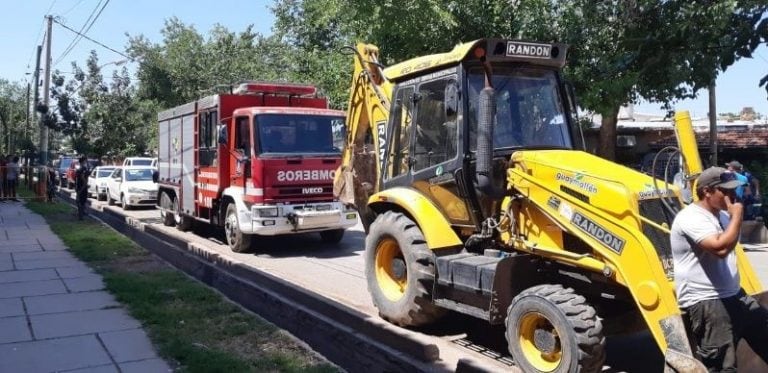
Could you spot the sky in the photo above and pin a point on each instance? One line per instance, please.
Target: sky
(23, 28)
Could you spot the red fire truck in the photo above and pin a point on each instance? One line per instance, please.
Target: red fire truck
(258, 160)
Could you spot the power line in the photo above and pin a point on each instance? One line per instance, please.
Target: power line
(94, 41)
(76, 39)
(71, 9)
(37, 39)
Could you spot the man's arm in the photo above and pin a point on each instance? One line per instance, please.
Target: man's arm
(722, 244)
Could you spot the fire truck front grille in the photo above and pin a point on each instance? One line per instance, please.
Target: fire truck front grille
(304, 192)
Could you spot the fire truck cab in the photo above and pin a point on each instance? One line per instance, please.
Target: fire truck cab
(256, 161)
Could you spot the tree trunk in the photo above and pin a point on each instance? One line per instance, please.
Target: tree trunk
(607, 148)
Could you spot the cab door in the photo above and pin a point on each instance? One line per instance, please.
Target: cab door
(240, 151)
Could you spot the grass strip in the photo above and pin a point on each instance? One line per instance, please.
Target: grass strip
(190, 324)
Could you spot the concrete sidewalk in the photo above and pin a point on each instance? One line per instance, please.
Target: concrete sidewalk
(54, 313)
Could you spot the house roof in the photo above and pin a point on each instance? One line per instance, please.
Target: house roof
(750, 138)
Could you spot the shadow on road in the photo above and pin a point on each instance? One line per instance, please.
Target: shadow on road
(305, 244)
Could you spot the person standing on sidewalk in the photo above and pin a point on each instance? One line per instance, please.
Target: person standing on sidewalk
(12, 177)
(719, 312)
(81, 186)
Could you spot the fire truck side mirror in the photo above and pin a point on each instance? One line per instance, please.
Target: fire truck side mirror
(223, 135)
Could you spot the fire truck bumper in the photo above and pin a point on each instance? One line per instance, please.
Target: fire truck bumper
(286, 219)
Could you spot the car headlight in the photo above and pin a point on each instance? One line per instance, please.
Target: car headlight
(103, 184)
(134, 190)
(265, 212)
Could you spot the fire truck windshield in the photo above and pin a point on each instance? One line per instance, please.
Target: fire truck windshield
(529, 109)
(298, 133)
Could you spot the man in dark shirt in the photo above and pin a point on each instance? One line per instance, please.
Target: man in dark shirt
(81, 186)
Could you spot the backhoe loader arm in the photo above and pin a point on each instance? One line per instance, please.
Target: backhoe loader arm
(366, 145)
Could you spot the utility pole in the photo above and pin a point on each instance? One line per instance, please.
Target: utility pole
(26, 127)
(712, 125)
(46, 93)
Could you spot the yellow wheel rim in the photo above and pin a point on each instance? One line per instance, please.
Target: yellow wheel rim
(392, 285)
(545, 361)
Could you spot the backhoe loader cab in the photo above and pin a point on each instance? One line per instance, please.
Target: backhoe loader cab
(475, 200)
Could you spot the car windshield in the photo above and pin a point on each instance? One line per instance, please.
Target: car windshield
(105, 172)
(529, 112)
(138, 175)
(141, 162)
(291, 133)
(65, 163)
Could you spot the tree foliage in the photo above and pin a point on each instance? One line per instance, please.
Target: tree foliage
(13, 115)
(621, 51)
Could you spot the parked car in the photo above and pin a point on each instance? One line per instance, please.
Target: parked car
(140, 161)
(74, 165)
(61, 166)
(97, 181)
(132, 186)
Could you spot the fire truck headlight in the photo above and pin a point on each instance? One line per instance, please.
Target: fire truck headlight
(265, 212)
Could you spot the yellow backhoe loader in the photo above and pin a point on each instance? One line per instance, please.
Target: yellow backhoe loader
(465, 170)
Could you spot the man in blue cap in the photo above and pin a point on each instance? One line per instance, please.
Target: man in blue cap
(707, 279)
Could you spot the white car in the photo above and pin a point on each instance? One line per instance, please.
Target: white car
(140, 161)
(97, 181)
(132, 186)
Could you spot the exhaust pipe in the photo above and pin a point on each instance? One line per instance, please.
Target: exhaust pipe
(484, 166)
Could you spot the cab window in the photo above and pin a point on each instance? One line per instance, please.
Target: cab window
(436, 133)
(398, 159)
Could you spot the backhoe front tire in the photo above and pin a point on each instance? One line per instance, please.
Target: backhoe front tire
(400, 271)
(552, 329)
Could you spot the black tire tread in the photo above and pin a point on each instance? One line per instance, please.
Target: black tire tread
(419, 308)
(581, 316)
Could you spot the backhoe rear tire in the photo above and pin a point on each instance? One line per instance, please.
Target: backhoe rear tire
(400, 271)
(552, 329)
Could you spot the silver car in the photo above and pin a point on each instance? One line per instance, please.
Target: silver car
(97, 181)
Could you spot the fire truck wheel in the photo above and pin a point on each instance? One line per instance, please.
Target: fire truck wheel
(237, 240)
(332, 236)
(165, 215)
(400, 271)
(552, 329)
(183, 223)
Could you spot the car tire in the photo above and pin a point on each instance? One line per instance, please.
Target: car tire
(165, 213)
(238, 241)
(110, 201)
(123, 203)
(183, 222)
